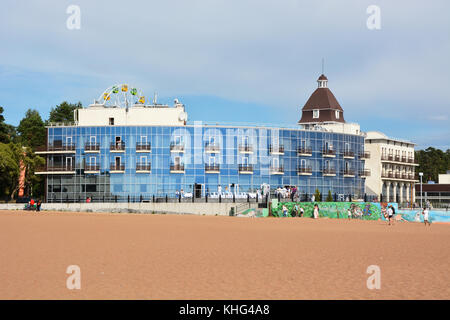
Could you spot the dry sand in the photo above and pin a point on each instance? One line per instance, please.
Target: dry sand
(132, 256)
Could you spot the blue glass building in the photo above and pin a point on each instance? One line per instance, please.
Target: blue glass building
(112, 154)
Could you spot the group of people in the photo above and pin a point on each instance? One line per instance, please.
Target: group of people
(33, 205)
(298, 211)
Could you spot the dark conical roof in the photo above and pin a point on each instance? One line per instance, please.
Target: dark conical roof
(322, 77)
(322, 98)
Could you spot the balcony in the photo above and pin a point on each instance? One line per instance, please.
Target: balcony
(55, 169)
(92, 168)
(347, 173)
(349, 154)
(117, 168)
(304, 151)
(245, 148)
(143, 167)
(364, 155)
(176, 147)
(277, 170)
(92, 147)
(143, 147)
(276, 149)
(118, 146)
(413, 161)
(246, 169)
(330, 153)
(56, 148)
(304, 171)
(364, 173)
(212, 168)
(212, 148)
(329, 172)
(177, 168)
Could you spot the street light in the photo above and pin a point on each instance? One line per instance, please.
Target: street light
(420, 175)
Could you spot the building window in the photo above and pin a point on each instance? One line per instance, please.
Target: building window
(111, 121)
(337, 114)
(315, 114)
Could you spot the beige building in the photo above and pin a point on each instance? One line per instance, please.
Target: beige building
(392, 167)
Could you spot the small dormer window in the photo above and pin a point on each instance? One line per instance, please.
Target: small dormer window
(315, 114)
(337, 114)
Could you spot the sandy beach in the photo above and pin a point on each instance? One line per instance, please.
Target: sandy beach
(137, 256)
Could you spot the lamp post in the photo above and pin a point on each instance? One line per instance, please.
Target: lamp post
(420, 175)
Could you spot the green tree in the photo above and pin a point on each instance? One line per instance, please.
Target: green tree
(317, 196)
(432, 162)
(63, 112)
(10, 158)
(32, 130)
(7, 132)
(329, 197)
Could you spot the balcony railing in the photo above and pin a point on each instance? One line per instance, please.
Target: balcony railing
(92, 167)
(212, 147)
(304, 151)
(245, 168)
(57, 148)
(276, 149)
(177, 167)
(277, 169)
(364, 173)
(177, 146)
(304, 170)
(143, 147)
(364, 155)
(328, 152)
(117, 167)
(349, 154)
(55, 168)
(91, 147)
(143, 167)
(348, 172)
(412, 160)
(328, 171)
(245, 148)
(212, 168)
(117, 146)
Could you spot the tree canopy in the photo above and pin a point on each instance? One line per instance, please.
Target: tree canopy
(63, 112)
(32, 130)
(432, 162)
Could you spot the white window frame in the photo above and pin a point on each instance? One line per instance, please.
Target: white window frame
(316, 114)
(337, 114)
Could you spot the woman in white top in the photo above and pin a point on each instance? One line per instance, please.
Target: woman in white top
(316, 211)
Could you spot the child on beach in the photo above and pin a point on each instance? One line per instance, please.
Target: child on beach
(316, 211)
(301, 212)
(285, 211)
(349, 213)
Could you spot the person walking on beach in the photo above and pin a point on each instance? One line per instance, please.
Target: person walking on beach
(38, 205)
(349, 213)
(390, 214)
(425, 216)
(316, 211)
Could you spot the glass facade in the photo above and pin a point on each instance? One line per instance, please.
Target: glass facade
(117, 162)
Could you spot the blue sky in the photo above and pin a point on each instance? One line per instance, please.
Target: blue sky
(249, 61)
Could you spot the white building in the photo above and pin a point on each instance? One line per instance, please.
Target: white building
(392, 167)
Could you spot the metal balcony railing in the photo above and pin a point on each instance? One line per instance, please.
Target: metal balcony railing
(91, 146)
(211, 167)
(117, 167)
(176, 146)
(304, 169)
(56, 147)
(328, 171)
(117, 146)
(276, 148)
(92, 167)
(245, 148)
(364, 155)
(177, 167)
(328, 152)
(304, 150)
(212, 147)
(348, 172)
(245, 168)
(143, 167)
(54, 168)
(143, 147)
(278, 169)
(349, 153)
(364, 173)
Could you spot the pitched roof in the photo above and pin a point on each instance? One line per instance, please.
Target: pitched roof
(322, 98)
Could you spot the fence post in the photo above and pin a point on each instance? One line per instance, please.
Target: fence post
(167, 199)
(206, 197)
(234, 198)
(220, 198)
(115, 198)
(153, 198)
